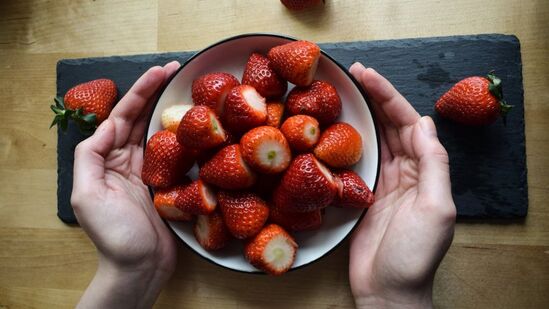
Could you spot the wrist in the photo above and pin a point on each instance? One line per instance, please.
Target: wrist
(421, 298)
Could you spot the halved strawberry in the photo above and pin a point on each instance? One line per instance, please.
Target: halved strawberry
(259, 74)
(165, 162)
(296, 221)
(210, 231)
(301, 131)
(245, 109)
(164, 202)
(212, 89)
(172, 115)
(353, 192)
(307, 185)
(197, 198)
(273, 250)
(340, 145)
(296, 61)
(227, 170)
(200, 129)
(275, 112)
(320, 100)
(244, 213)
(266, 150)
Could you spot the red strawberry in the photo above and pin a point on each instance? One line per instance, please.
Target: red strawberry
(340, 145)
(204, 156)
(273, 250)
(228, 170)
(320, 100)
(164, 202)
(275, 112)
(244, 213)
(301, 131)
(165, 162)
(353, 191)
(200, 129)
(300, 4)
(212, 89)
(87, 104)
(296, 61)
(244, 109)
(259, 74)
(266, 150)
(474, 101)
(210, 231)
(197, 198)
(172, 115)
(296, 221)
(307, 185)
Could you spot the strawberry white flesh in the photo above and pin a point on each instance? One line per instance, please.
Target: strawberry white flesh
(172, 115)
(312, 71)
(216, 127)
(326, 172)
(272, 154)
(255, 100)
(311, 133)
(172, 213)
(208, 196)
(279, 253)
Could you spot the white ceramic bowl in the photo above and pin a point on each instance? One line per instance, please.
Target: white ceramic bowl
(230, 55)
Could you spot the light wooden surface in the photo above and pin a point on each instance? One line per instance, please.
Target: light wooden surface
(44, 263)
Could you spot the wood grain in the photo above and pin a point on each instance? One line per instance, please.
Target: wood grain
(44, 263)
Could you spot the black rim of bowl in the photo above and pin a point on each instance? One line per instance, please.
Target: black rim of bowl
(355, 82)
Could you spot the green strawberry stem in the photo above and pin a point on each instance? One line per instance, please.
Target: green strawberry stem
(497, 91)
(86, 123)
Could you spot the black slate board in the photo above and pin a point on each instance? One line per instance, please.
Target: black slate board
(488, 165)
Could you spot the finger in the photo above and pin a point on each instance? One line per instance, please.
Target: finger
(132, 104)
(136, 136)
(383, 94)
(89, 159)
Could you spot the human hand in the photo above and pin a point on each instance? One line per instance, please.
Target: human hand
(136, 251)
(401, 240)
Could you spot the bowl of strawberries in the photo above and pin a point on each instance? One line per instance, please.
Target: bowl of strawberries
(262, 153)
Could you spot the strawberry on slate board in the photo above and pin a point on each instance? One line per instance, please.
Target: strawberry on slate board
(171, 116)
(273, 250)
(196, 198)
(212, 89)
(86, 104)
(227, 170)
(275, 112)
(244, 109)
(259, 74)
(200, 129)
(300, 4)
(244, 213)
(164, 202)
(266, 150)
(320, 100)
(301, 131)
(353, 192)
(296, 61)
(340, 145)
(165, 162)
(474, 101)
(210, 231)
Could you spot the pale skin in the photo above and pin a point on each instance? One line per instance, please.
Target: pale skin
(394, 252)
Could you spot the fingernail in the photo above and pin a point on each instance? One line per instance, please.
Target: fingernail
(428, 126)
(357, 66)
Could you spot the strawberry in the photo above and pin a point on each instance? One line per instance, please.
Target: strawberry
(340, 145)
(266, 150)
(165, 162)
(297, 5)
(204, 156)
(227, 170)
(301, 131)
(244, 213)
(172, 115)
(296, 221)
(307, 185)
(200, 129)
(273, 250)
(87, 104)
(296, 61)
(275, 112)
(164, 202)
(212, 89)
(353, 191)
(197, 198)
(259, 74)
(474, 101)
(320, 100)
(244, 109)
(210, 231)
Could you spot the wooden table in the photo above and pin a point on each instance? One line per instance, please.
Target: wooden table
(45, 263)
